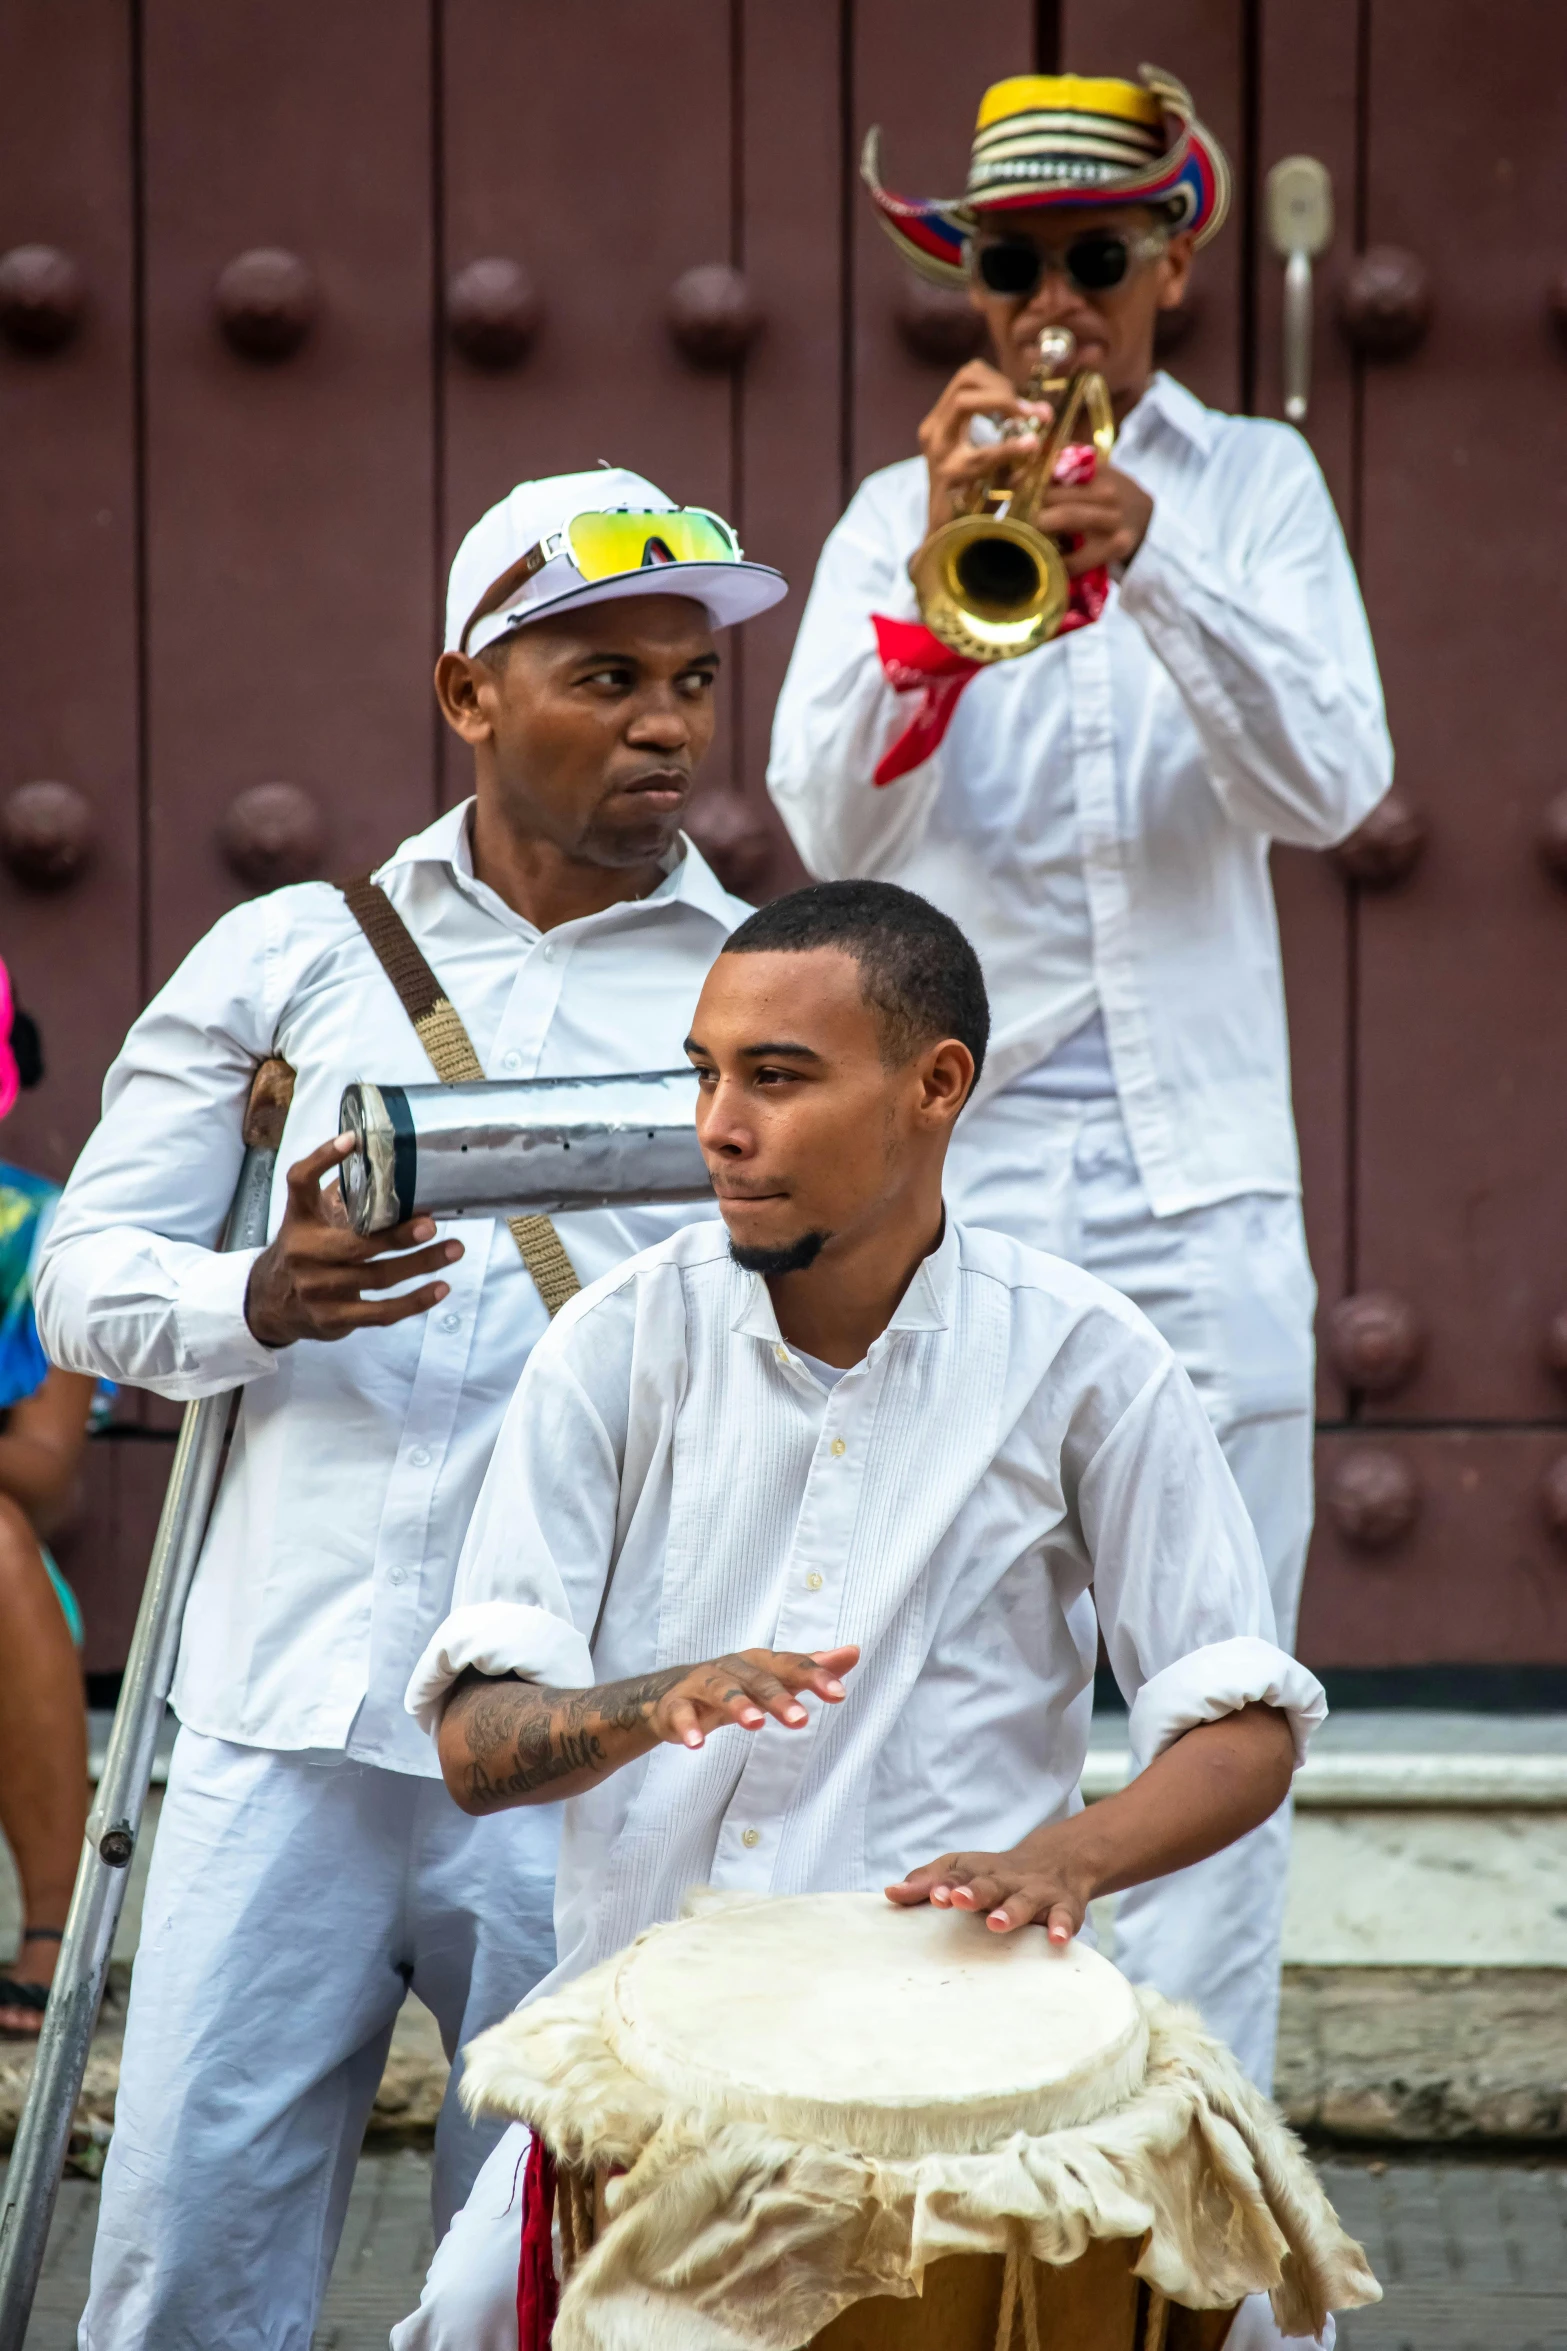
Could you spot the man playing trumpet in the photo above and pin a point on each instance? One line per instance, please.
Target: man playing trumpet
(1097, 814)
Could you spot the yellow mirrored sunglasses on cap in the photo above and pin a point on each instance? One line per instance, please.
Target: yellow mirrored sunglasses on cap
(610, 546)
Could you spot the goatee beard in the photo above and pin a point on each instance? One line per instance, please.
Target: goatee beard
(794, 1258)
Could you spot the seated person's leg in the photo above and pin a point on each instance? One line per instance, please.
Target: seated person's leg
(43, 1756)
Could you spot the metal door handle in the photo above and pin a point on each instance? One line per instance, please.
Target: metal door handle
(1300, 227)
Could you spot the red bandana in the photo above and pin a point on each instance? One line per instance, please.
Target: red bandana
(536, 2289)
(916, 662)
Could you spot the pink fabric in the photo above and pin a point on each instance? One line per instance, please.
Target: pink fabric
(914, 661)
(10, 1083)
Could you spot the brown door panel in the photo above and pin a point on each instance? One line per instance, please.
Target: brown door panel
(68, 523)
(1307, 67)
(1477, 1579)
(923, 89)
(592, 144)
(790, 394)
(290, 514)
(1462, 1131)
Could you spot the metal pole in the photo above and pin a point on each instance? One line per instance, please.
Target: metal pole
(43, 2135)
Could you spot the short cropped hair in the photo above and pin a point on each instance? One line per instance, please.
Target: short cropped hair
(918, 972)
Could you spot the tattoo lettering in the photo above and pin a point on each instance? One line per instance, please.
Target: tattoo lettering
(521, 1737)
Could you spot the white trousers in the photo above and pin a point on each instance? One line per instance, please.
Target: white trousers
(1230, 1288)
(290, 1906)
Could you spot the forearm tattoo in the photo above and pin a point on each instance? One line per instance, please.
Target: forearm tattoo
(521, 1736)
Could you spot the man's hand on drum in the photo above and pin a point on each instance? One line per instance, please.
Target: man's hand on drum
(1036, 1884)
(311, 1279)
(956, 464)
(1212, 1783)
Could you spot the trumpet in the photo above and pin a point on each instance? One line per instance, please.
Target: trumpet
(990, 583)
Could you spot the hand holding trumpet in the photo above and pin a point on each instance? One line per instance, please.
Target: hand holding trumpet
(1109, 515)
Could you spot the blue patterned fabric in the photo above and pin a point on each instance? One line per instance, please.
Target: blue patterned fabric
(26, 1205)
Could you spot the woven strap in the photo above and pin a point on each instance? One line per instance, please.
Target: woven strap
(440, 1031)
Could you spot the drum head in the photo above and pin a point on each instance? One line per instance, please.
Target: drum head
(838, 2018)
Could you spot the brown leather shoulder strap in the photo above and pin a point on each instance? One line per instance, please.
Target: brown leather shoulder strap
(440, 1031)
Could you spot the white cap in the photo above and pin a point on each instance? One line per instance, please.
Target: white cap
(531, 512)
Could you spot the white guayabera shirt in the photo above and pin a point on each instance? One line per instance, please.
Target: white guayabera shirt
(1099, 816)
(356, 1463)
(1018, 1450)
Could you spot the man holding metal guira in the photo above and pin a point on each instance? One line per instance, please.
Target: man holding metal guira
(1193, 680)
(309, 1865)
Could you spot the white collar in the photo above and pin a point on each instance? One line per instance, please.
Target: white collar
(688, 878)
(926, 1305)
(1167, 403)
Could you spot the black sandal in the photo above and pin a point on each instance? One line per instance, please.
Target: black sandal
(34, 1998)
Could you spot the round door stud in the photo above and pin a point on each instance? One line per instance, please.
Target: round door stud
(272, 834)
(938, 324)
(41, 297)
(1384, 303)
(1385, 850)
(266, 302)
(712, 316)
(1552, 837)
(1375, 1341)
(493, 311)
(1372, 1497)
(46, 834)
(1553, 1499)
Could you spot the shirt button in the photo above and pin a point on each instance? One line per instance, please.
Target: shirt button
(419, 1458)
(750, 1836)
(813, 1583)
(549, 954)
(395, 1576)
(838, 1446)
(511, 1061)
(782, 1354)
(451, 1322)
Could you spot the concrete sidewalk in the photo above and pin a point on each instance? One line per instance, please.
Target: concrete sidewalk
(1472, 2256)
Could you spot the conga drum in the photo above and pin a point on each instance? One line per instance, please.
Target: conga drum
(821, 2120)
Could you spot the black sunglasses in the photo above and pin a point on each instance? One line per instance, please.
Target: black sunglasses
(1094, 262)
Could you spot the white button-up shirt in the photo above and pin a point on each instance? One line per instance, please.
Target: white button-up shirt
(356, 1464)
(1227, 697)
(1018, 1453)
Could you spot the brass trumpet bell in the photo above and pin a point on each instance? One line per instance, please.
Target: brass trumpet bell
(990, 587)
(989, 583)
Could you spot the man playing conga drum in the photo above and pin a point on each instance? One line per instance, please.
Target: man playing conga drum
(853, 1452)
(1098, 813)
(309, 1867)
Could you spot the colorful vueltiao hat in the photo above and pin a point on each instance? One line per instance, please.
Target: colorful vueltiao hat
(1063, 139)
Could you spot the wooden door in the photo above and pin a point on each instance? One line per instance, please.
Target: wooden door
(341, 277)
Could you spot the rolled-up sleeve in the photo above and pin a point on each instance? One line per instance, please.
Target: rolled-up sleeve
(129, 1284)
(1179, 1583)
(497, 1637)
(1257, 617)
(541, 1545)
